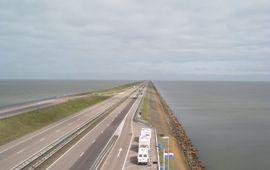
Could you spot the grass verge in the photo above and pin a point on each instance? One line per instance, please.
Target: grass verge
(144, 109)
(117, 88)
(16, 126)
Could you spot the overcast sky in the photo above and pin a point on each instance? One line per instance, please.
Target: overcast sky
(135, 39)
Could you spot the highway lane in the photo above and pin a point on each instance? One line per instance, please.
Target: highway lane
(119, 151)
(91, 153)
(118, 155)
(20, 108)
(19, 150)
(7, 111)
(84, 153)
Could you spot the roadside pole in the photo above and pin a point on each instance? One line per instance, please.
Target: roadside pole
(168, 152)
(164, 165)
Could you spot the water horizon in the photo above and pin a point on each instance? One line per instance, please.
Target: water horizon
(13, 92)
(228, 122)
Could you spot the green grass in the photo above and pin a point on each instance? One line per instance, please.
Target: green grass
(160, 157)
(117, 88)
(16, 126)
(144, 109)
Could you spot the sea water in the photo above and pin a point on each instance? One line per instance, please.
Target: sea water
(21, 91)
(229, 122)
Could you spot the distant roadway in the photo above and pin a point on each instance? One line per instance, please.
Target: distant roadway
(7, 111)
(117, 157)
(19, 150)
(83, 154)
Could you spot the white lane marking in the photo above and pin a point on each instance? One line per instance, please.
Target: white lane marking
(61, 122)
(130, 166)
(94, 141)
(42, 139)
(57, 130)
(81, 154)
(119, 151)
(20, 151)
(100, 123)
(75, 144)
(60, 137)
(145, 168)
(131, 121)
(132, 132)
(101, 132)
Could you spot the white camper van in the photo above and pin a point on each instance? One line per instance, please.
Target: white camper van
(143, 156)
(144, 142)
(144, 146)
(146, 132)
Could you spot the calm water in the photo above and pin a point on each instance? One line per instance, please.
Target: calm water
(229, 122)
(19, 91)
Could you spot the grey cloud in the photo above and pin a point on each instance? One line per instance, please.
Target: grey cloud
(134, 39)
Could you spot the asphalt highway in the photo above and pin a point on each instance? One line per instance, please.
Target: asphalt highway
(20, 108)
(89, 147)
(7, 111)
(91, 154)
(84, 153)
(118, 155)
(19, 150)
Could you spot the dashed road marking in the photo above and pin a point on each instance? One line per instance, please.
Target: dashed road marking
(81, 154)
(119, 151)
(130, 166)
(20, 151)
(42, 139)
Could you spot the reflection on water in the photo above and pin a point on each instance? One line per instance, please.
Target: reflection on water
(18, 91)
(229, 122)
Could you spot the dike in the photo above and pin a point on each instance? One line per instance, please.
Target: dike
(190, 152)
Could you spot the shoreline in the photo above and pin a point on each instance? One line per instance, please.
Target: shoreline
(183, 141)
(16, 125)
(156, 117)
(18, 108)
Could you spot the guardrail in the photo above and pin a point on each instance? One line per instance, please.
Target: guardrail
(102, 156)
(98, 162)
(136, 117)
(37, 159)
(157, 149)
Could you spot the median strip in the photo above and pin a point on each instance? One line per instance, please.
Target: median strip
(103, 155)
(16, 126)
(41, 159)
(36, 160)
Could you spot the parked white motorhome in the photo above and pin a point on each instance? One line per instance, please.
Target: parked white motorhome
(144, 146)
(143, 156)
(146, 132)
(144, 142)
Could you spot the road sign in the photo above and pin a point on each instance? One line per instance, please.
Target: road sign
(162, 167)
(168, 154)
(159, 146)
